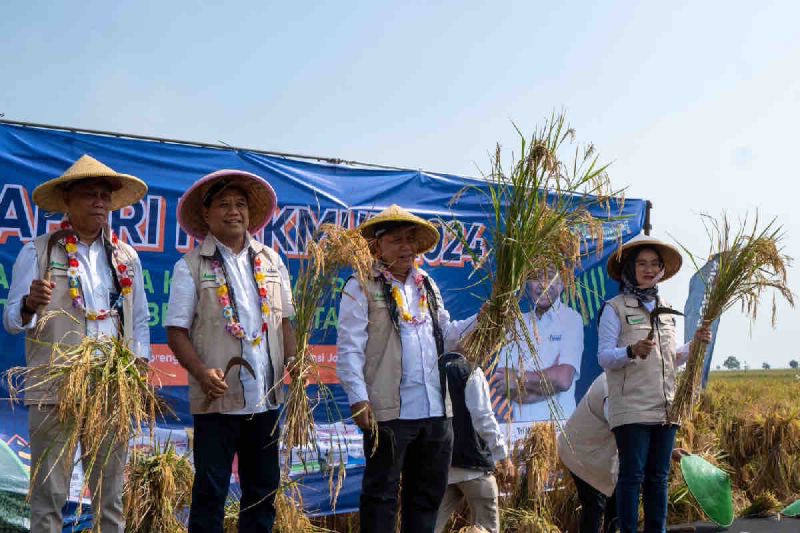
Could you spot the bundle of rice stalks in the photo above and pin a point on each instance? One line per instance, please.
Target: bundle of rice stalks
(528, 505)
(335, 249)
(230, 523)
(158, 485)
(749, 262)
(104, 397)
(538, 221)
(763, 505)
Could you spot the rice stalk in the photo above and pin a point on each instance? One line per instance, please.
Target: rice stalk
(749, 263)
(763, 505)
(334, 249)
(538, 220)
(104, 398)
(158, 485)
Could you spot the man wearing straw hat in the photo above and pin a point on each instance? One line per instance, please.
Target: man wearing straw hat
(390, 338)
(87, 283)
(228, 324)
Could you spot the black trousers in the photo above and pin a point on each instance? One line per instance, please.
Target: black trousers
(420, 450)
(596, 508)
(254, 438)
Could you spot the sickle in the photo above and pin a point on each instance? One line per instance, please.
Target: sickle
(232, 362)
(655, 314)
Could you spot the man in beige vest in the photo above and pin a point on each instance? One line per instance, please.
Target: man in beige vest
(390, 338)
(228, 324)
(95, 282)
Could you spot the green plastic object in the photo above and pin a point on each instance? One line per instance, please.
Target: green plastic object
(711, 487)
(792, 510)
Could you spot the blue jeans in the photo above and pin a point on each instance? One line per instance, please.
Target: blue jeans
(644, 461)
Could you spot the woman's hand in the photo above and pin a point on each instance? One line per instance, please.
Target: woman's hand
(703, 334)
(643, 348)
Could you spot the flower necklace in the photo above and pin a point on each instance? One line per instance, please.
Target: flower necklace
(399, 299)
(233, 326)
(73, 281)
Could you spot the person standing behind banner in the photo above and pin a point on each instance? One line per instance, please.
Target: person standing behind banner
(228, 325)
(557, 333)
(96, 289)
(390, 337)
(478, 447)
(638, 350)
(587, 448)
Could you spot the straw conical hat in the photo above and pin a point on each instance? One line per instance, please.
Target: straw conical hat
(261, 200)
(126, 189)
(711, 487)
(669, 254)
(427, 234)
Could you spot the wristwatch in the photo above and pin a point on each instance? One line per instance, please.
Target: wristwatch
(629, 351)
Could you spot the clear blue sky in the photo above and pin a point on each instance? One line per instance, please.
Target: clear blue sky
(696, 103)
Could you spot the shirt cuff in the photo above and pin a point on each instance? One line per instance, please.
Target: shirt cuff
(15, 318)
(357, 394)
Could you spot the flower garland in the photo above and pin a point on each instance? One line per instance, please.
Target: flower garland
(73, 281)
(232, 325)
(399, 299)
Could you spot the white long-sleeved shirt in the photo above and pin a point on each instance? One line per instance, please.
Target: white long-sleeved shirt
(97, 282)
(420, 389)
(183, 306)
(558, 338)
(611, 356)
(479, 404)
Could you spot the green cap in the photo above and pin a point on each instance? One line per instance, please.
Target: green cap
(711, 487)
(792, 510)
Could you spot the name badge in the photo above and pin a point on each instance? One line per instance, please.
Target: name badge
(208, 276)
(634, 320)
(378, 297)
(56, 264)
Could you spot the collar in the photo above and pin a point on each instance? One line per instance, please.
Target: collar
(209, 245)
(631, 300)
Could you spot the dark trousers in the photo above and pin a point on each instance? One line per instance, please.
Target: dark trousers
(596, 508)
(254, 438)
(420, 450)
(644, 461)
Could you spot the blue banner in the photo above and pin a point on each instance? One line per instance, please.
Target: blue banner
(693, 310)
(309, 194)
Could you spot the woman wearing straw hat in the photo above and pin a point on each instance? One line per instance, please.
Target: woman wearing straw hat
(638, 349)
(391, 335)
(228, 324)
(87, 283)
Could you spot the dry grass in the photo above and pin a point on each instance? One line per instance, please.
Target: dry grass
(104, 397)
(335, 249)
(538, 220)
(158, 485)
(749, 263)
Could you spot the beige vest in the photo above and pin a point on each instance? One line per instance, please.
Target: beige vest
(383, 368)
(62, 329)
(642, 391)
(587, 446)
(214, 345)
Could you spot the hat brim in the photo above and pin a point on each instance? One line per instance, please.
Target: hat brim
(427, 234)
(711, 488)
(261, 201)
(669, 254)
(126, 190)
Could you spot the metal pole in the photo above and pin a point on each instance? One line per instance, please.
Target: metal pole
(647, 225)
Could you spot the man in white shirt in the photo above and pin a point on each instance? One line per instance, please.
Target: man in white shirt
(390, 337)
(228, 324)
(478, 447)
(556, 331)
(95, 282)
